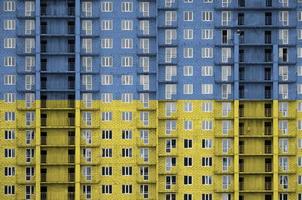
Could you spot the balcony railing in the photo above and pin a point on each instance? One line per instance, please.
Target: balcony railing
(43, 121)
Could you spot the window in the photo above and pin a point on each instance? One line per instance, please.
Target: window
(106, 61)
(188, 180)
(206, 89)
(9, 189)
(9, 61)
(106, 79)
(207, 71)
(87, 82)
(29, 45)
(106, 153)
(206, 125)
(188, 88)
(144, 8)
(207, 107)
(127, 25)
(106, 97)
(127, 43)
(29, 8)
(127, 152)
(207, 52)
(30, 63)
(127, 80)
(106, 116)
(207, 16)
(29, 27)
(188, 15)
(106, 171)
(206, 180)
(188, 125)
(9, 171)
(9, 5)
(206, 161)
(9, 116)
(106, 25)
(225, 18)
(9, 153)
(107, 43)
(188, 52)
(126, 189)
(188, 34)
(127, 97)
(144, 27)
(87, 45)
(106, 6)
(87, 8)
(9, 97)
(126, 134)
(9, 43)
(9, 134)
(107, 134)
(188, 143)
(127, 61)
(188, 162)
(188, 107)
(127, 116)
(9, 24)
(188, 70)
(206, 143)
(87, 26)
(207, 34)
(127, 7)
(283, 18)
(170, 17)
(127, 171)
(107, 189)
(170, 36)
(9, 80)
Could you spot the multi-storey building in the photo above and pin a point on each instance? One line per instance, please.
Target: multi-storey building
(151, 99)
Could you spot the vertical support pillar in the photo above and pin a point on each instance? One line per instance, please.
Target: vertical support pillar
(38, 102)
(275, 123)
(77, 101)
(236, 116)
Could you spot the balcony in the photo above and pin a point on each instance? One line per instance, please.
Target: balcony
(241, 149)
(71, 177)
(267, 130)
(241, 167)
(268, 186)
(71, 158)
(43, 158)
(71, 140)
(71, 196)
(43, 177)
(268, 149)
(43, 140)
(268, 167)
(241, 186)
(43, 195)
(268, 112)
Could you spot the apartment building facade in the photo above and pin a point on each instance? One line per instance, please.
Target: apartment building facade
(151, 99)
